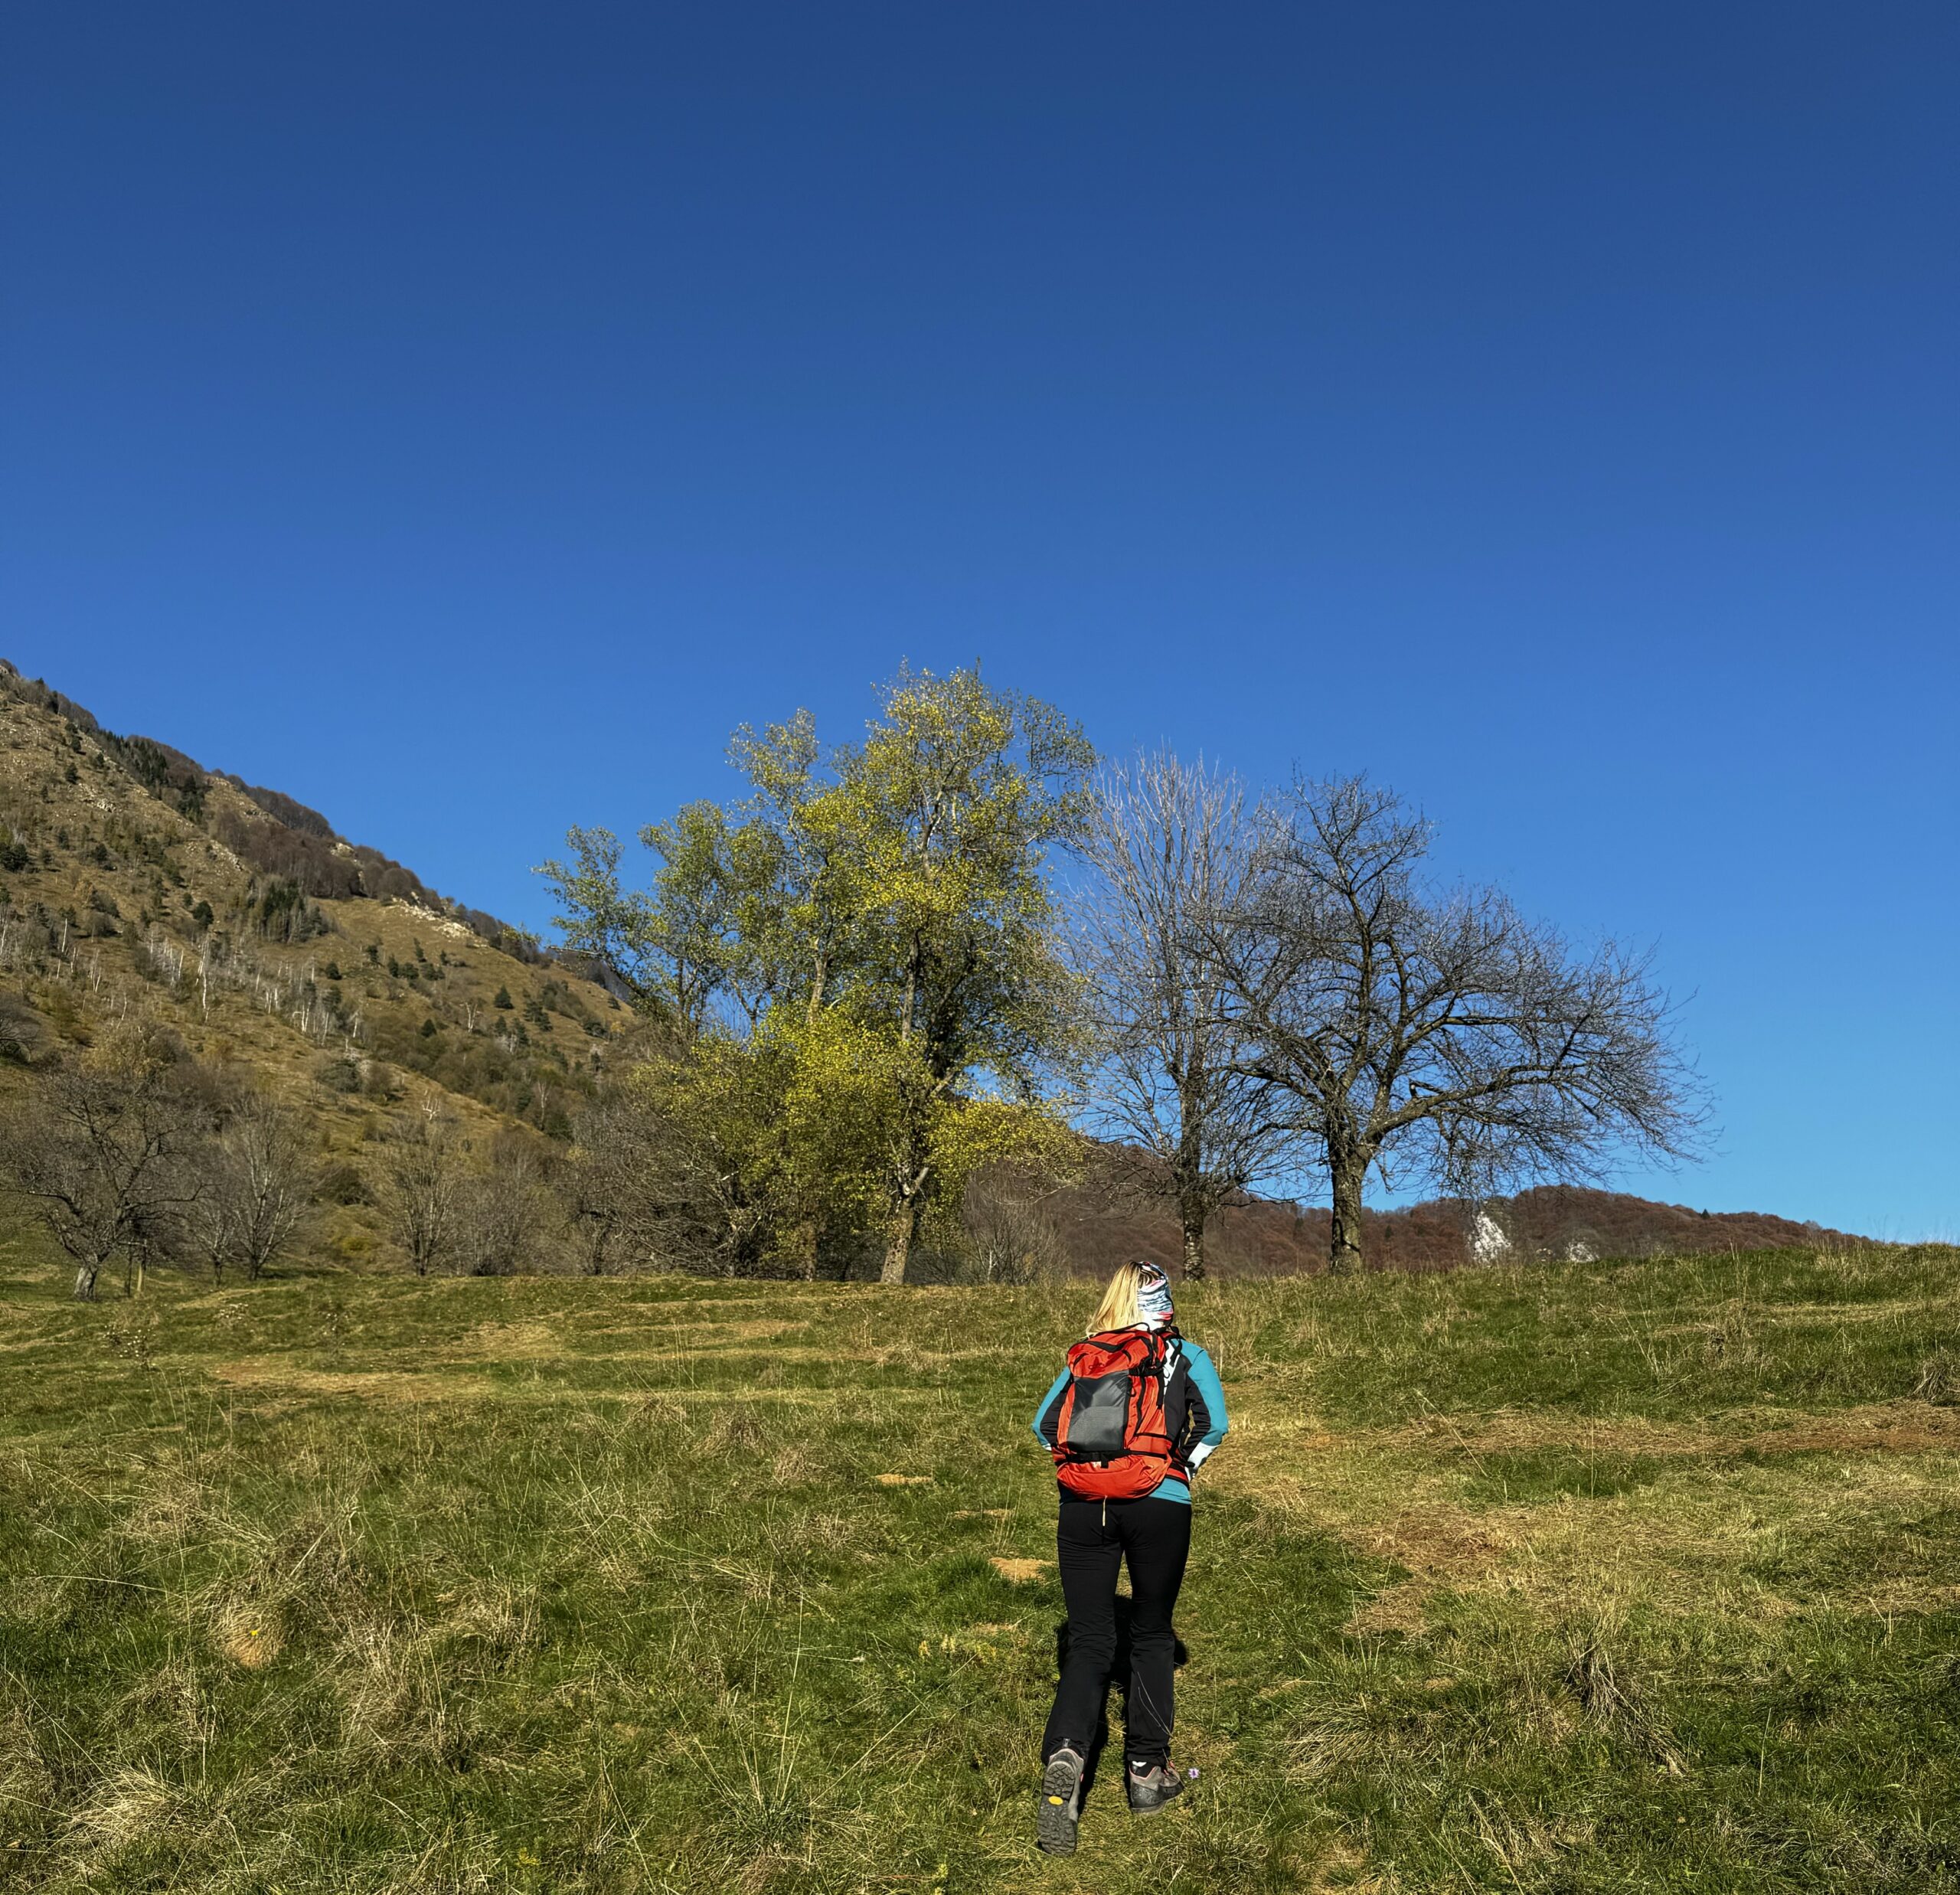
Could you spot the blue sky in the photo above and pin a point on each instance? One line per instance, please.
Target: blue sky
(461, 417)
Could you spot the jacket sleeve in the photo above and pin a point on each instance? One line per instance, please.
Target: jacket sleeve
(1048, 1415)
(1205, 1424)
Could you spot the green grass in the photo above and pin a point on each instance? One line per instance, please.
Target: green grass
(1575, 1578)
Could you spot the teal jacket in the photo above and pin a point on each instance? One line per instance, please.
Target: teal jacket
(1194, 1411)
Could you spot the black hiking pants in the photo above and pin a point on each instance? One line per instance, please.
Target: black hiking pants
(1092, 1539)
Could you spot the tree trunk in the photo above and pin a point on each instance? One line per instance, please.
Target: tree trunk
(85, 1277)
(1192, 1219)
(1194, 1253)
(898, 1242)
(803, 1248)
(1186, 1175)
(1346, 1170)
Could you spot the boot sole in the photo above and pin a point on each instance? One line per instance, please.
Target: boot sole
(1058, 1807)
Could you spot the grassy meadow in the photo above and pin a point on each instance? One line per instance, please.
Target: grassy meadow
(1566, 1578)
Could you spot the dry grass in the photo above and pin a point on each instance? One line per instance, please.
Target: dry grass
(1557, 1581)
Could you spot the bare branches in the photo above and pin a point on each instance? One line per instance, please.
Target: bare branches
(102, 1152)
(422, 1189)
(258, 1180)
(1434, 1030)
(1170, 853)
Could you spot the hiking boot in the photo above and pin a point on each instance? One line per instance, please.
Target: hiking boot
(1060, 1804)
(1150, 1786)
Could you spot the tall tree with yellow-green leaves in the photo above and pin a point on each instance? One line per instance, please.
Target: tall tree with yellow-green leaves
(874, 926)
(953, 806)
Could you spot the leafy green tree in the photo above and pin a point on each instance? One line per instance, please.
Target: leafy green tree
(952, 806)
(872, 1134)
(672, 946)
(869, 935)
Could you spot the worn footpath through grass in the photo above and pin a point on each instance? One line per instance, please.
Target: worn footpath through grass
(1574, 1578)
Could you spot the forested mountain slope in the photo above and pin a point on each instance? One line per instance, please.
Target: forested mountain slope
(134, 882)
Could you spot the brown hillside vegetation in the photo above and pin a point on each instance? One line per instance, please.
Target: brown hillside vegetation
(134, 884)
(1099, 1225)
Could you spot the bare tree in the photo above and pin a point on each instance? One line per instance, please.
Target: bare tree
(1436, 1031)
(502, 1214)
(1009, 1237)
(422, 1187)
(102, 1151)
(1169, 853)
(260, 1184)
(606, 1181)
(21, 1034)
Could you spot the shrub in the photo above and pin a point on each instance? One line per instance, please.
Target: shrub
(339, 1074)
(342, 1183)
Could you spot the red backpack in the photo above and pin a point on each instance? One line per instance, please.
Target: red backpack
(1111, 1441)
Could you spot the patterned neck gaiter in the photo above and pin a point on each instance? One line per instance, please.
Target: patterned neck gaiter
(1153, 1296)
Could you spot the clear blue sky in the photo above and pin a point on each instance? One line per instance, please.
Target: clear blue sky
(460, 417)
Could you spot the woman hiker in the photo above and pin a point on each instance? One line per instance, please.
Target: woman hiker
(1132, 1415)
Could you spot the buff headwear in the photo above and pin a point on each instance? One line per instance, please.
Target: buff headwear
(1153, 1294)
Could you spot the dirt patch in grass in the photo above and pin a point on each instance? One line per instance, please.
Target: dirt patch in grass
(1020, 1571)
(1902, 1427)
(903, 1480)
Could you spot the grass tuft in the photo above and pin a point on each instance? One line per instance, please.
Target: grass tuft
(1940, 1378)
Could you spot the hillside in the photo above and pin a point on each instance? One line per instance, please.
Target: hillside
(134, 880)
(1562, 1580)
(1101, 1225)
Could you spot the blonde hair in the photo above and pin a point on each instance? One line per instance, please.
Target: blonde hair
(1118, 1309)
